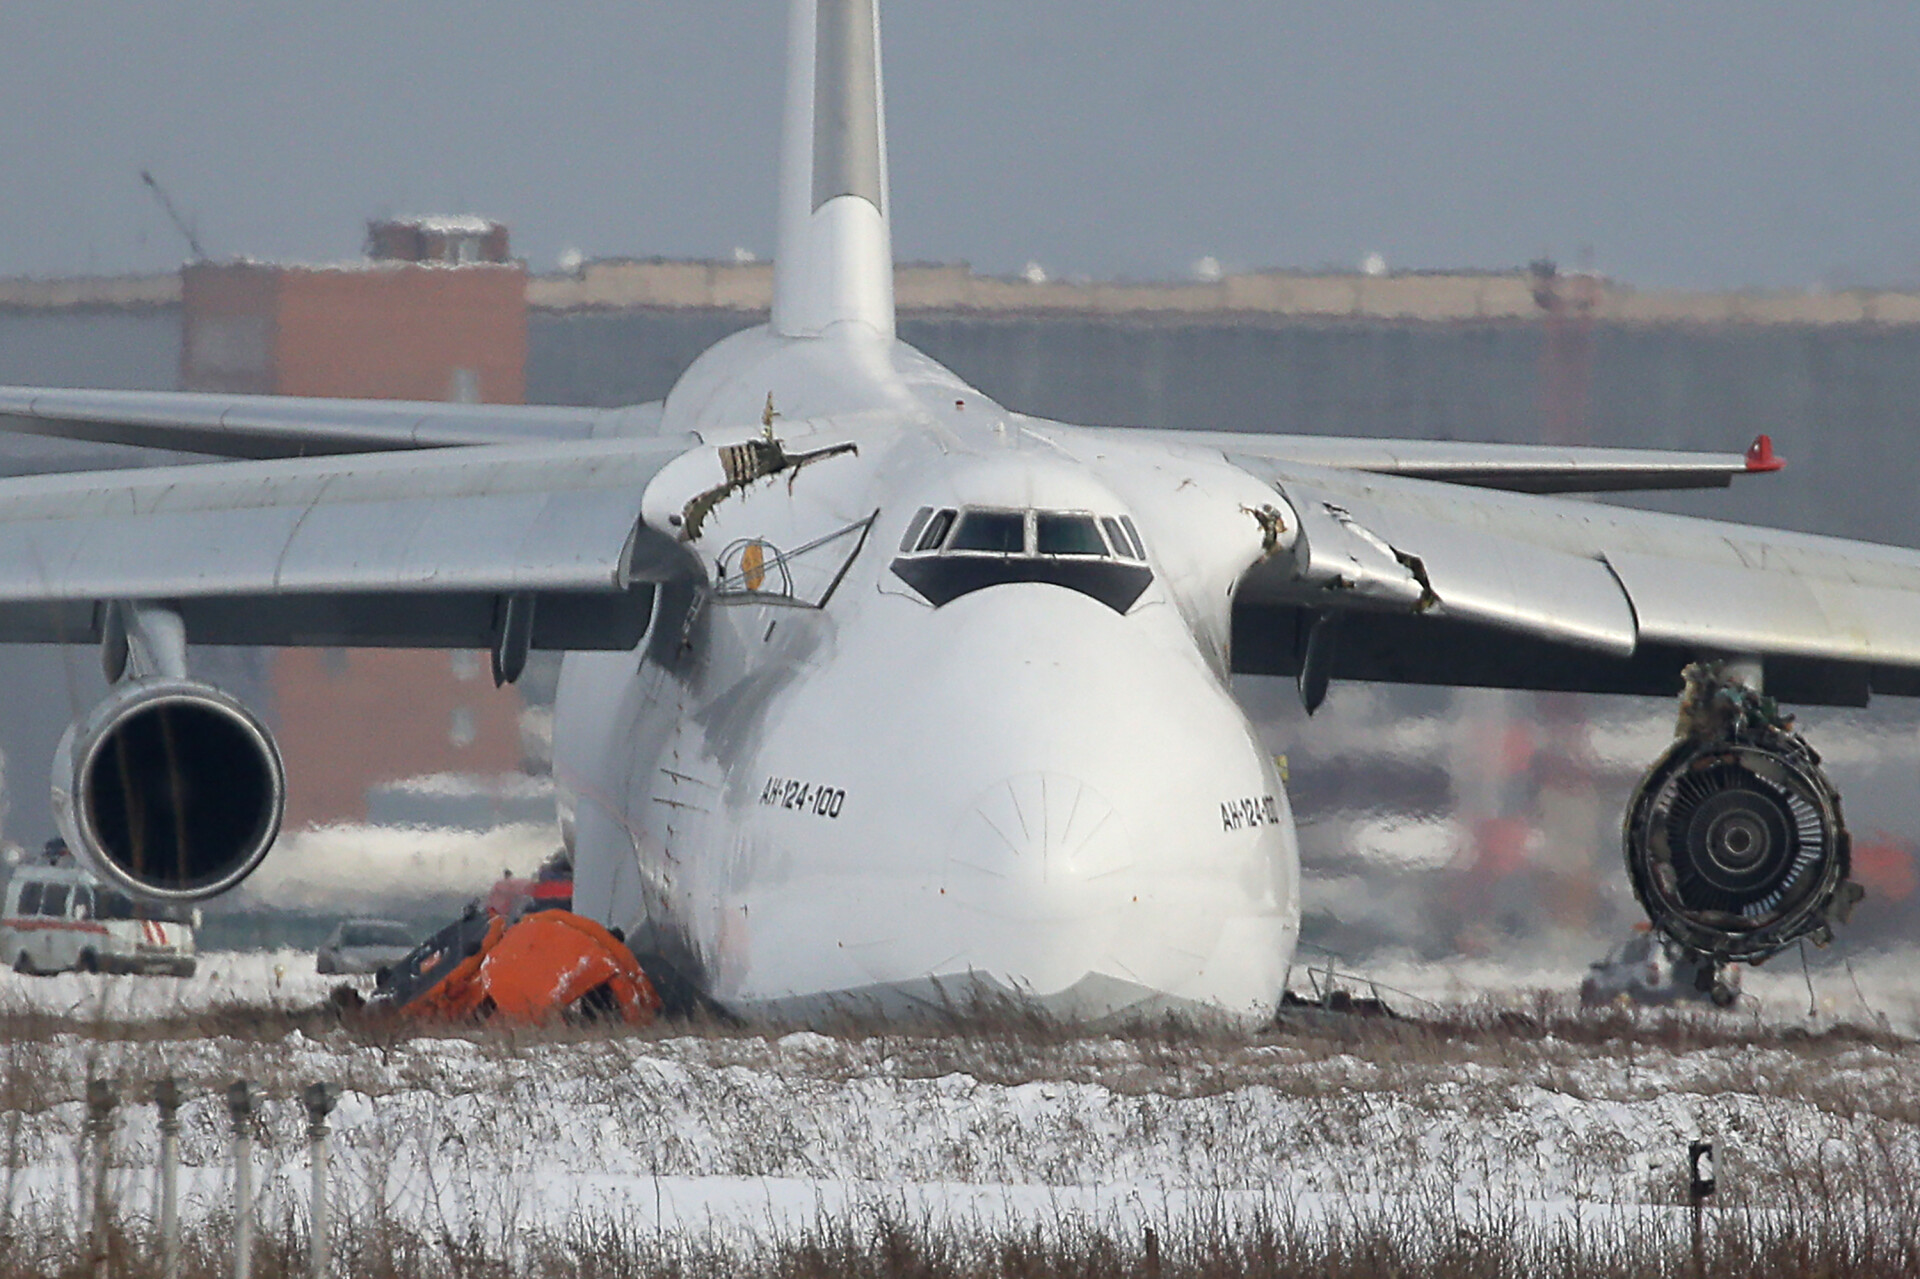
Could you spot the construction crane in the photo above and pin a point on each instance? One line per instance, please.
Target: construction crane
(180, 223)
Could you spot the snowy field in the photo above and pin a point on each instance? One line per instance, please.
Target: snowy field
(1879, 989)
(1498, 1100)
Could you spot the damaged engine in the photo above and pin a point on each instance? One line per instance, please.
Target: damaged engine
(169, 788)
(1735, 842)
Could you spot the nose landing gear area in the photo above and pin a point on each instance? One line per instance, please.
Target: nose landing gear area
(1095, 1001)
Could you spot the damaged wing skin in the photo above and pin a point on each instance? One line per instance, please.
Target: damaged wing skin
(1273, 527)
(1602, 578)
(1340, 558)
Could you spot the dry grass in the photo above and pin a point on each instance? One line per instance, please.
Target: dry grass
(1411, 1242)
(1549, 1039)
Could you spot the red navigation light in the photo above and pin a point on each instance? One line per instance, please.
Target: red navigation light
(1761, 457)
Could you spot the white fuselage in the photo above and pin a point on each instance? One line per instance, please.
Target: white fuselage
(812, 784)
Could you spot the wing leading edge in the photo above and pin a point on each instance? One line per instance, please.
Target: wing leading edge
(395, 549)
(1514, 468)
(1428, 583)
(270, 426)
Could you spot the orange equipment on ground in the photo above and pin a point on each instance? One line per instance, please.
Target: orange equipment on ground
(548, 963)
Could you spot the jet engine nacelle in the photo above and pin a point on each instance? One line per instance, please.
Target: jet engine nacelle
(1737, 848)
(169, 788)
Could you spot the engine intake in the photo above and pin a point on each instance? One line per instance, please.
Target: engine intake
(1735, 842)
(169, 788)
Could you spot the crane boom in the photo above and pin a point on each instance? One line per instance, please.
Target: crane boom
(180, 223)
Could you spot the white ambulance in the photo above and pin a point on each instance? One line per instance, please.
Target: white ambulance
(58, 918)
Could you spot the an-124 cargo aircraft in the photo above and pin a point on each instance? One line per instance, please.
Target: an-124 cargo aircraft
(876, 690)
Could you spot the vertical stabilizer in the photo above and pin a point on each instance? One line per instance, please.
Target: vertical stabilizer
(835, 258)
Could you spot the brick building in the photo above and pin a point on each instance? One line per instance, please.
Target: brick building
(350, 719)
(382, 330)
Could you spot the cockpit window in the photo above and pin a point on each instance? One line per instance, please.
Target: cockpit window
(951, 553)
(995, 532)
(935, 532)
(914, 527)
(1060, 534)
(1003, 532)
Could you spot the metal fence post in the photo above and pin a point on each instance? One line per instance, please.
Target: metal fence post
(101, 1100)
(166, 1098)
(240, 1107)
(320, 1099)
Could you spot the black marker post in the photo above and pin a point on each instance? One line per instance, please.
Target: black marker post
(1700, 1184)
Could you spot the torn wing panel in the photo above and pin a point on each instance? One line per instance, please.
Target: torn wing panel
(1340, 557)
(1369, 554)
(1838, 615)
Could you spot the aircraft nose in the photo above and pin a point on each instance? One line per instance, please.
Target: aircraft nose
(1092, 867)
(1050, 889)
(1037, 800)
(1041, 827)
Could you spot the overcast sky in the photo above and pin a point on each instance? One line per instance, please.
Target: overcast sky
(1706, 143)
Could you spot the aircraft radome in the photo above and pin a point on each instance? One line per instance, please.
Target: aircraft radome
(878, 691)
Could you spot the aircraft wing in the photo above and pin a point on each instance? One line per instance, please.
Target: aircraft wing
(1516, 468)
(265, 426)
(387, 548)
(1432, 583)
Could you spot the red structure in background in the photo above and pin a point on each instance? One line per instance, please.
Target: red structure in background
(1545, 821)
(348, 719)
(438, 313)
(1567, 304)
(398, 331)
(1885, 865)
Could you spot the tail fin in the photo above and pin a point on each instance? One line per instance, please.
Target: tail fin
(835, 258)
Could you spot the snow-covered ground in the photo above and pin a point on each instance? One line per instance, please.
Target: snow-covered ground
(1880, 989)
(737, 1132)
(1876, 988)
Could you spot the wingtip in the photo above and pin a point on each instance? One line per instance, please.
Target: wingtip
(1761, 457)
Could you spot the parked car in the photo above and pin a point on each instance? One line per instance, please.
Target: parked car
(58, 918)
(364, 946)
(1649, 968)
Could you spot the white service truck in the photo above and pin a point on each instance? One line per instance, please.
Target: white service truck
(59, 919)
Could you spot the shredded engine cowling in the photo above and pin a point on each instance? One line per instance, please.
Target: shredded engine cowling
(1735, 842)
(546, 964)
